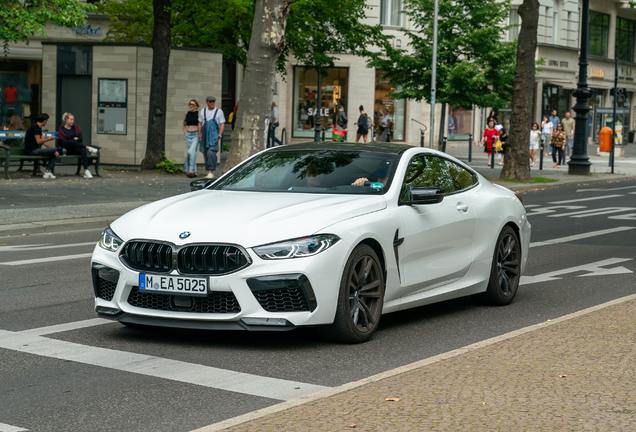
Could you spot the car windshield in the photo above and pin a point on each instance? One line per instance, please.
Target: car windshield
(314, 171)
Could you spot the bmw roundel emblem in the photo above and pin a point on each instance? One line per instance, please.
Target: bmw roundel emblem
(184, 235)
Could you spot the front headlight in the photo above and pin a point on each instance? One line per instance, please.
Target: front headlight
(110, 241)
(298, 248)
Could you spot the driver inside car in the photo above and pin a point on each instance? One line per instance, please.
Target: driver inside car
(380, 175)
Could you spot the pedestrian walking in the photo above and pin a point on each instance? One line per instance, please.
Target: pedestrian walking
(33, 142)
(503, 137)
(70, 138)
(385, 125)
(452, 124)
(492, 116)
(489, 138)
(211, 125)
(363, 125)
(568, 127)
(273, 124)
(340, 125)
(535, 138)
(558, 142)
(555, 120)
(191, 132)
(546, 131)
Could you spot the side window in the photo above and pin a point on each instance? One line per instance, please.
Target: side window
(461, 178)
(434, 171)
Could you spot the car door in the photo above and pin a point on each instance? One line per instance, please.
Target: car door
(437, 239)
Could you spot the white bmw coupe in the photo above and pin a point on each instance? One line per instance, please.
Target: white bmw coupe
(325, 235)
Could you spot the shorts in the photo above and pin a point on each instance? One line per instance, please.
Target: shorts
(534, 146)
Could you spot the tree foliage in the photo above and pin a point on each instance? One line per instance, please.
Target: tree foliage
(226, 25)
(474, 65)
(19, 19)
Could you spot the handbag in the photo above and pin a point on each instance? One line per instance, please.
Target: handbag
(337, 135)
(498, 145)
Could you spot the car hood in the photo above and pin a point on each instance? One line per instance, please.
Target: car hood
(244, 218)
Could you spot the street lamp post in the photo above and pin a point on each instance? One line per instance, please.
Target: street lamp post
(434, 74)
(580, 163)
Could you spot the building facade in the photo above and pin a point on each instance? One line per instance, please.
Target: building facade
(612, 34)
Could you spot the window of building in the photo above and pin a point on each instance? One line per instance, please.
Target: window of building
(599, 33)
(625, 30)
(390, 12)
(396, 108)
(513, 20)
(22, 80)
(460, 123)
(333, 92)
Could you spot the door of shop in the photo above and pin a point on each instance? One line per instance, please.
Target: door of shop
(76, 97)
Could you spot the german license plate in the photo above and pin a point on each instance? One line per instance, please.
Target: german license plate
(173, 284)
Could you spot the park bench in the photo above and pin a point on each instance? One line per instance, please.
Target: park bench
(13, 154)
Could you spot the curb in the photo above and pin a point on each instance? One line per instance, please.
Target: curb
(56, 226)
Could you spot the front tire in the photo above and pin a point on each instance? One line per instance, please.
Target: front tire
(360, 299)
(505, 271)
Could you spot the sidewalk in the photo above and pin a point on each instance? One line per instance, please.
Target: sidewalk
(575, 373)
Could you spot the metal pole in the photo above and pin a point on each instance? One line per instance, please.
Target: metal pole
(470, 147)
(434, 70)
(611, 158)
(319, 108)
(421, 138)
(579, 163)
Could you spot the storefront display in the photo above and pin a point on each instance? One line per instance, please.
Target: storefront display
(306, 105)
(459, 124)
(396, 108)
(19, 85)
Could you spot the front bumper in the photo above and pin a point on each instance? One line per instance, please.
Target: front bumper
(243, 301)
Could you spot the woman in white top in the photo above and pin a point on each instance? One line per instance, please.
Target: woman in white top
(546, 131)
(535, 137)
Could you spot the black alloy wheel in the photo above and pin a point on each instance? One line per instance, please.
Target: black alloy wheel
(505, 272)
(360, 299)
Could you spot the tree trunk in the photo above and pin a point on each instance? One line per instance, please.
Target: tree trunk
(161, 40)
(517, 160)
(442, 124)
(266, 44)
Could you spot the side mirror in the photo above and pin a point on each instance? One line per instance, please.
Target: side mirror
(196, 185)
(426, 194)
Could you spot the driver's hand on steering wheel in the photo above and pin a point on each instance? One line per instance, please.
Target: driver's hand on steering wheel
(360, 181)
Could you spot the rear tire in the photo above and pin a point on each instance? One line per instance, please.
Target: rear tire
(505, 271)
(360, 299)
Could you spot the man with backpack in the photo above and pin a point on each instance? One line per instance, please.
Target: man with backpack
(211, 125)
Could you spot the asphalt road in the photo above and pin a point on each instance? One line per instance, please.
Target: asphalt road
(90, 375)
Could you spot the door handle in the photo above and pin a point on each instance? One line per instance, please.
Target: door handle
(462, 207)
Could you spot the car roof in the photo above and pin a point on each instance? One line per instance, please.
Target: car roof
(377, 147)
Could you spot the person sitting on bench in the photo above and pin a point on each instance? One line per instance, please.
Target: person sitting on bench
(33, 142)
(70, 138)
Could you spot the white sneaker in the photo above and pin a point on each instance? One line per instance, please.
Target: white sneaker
(48, 175)
(93, 150)
(209, 176)
(87, 174)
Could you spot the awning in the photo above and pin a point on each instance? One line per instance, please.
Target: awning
(569, 85)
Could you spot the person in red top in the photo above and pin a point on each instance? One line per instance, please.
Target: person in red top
(488, 140)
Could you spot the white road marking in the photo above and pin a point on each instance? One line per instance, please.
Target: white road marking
(594, 212)
(553, 209)
(629, 216)
(605, 189)
(594, 269)
(59, 328)
(585, 199)
(31, 342)
(582, 236)
(42, 246)
(531, 205)
(49, 259)
(9, 428)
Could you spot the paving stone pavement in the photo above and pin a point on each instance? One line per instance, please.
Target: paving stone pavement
(575, 375)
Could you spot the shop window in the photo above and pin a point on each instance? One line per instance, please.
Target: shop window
(396, 108)
(306, 107)
(20, 89)
(75, 60)
(625, 30)
(459, 123)
(599, 32)
(390, 12)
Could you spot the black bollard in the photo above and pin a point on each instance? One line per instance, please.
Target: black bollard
(470, 147)
(421, 138)
(541, 156)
